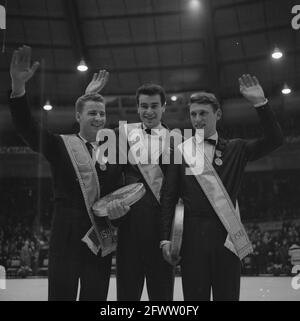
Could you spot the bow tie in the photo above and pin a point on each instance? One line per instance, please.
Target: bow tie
(148, 131)
(211, 141)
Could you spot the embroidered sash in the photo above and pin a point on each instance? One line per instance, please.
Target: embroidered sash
(101, 235)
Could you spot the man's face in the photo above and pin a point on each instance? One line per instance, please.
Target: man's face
(92, 118)
(150, 110)
(204, 117)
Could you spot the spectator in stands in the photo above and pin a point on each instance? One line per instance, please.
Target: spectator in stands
(254, 261)
(25, 256)
(294, 253)
(3, 257)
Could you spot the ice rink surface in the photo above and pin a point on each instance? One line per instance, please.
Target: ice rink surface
(252, 289)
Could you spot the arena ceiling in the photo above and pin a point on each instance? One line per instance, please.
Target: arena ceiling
(183, 48)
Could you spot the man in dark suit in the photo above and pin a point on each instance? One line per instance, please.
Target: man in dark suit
(138, 254)
(206, 263)
(77, 186)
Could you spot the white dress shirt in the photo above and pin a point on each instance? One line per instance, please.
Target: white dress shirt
(155, 143)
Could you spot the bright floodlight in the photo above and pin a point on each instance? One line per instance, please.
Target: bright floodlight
(174, 98)
(82, 66)
(286, 90)
(47, 106)
(277, 54)
(194, 4)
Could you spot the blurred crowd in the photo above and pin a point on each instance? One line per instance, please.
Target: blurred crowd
(21, 242)
(267, 196)
(272, 249)
(270, 196)
(21, 247)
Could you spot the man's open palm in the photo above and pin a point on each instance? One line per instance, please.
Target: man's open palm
(251, 89)
(98, 82)
(21, 69)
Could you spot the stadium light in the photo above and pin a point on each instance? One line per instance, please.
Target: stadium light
(277, 53)
(286, 90)
(47, 106)
(82, 66)
(194, 4)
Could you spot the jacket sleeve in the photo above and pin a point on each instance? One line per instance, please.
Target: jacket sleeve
(33, 133)
(272, 135)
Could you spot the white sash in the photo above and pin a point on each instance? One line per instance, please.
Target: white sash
(212, 186)
(98, 237)
(152, 173)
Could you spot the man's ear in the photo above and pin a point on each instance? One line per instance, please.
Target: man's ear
(219, 114)
(77, 116)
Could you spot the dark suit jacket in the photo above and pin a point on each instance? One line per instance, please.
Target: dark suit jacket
(235, 155)
(70, 221)
(144, 217)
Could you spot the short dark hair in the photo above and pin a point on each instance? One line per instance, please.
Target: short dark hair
(87, 97)
(151, 89)
(205, 98)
